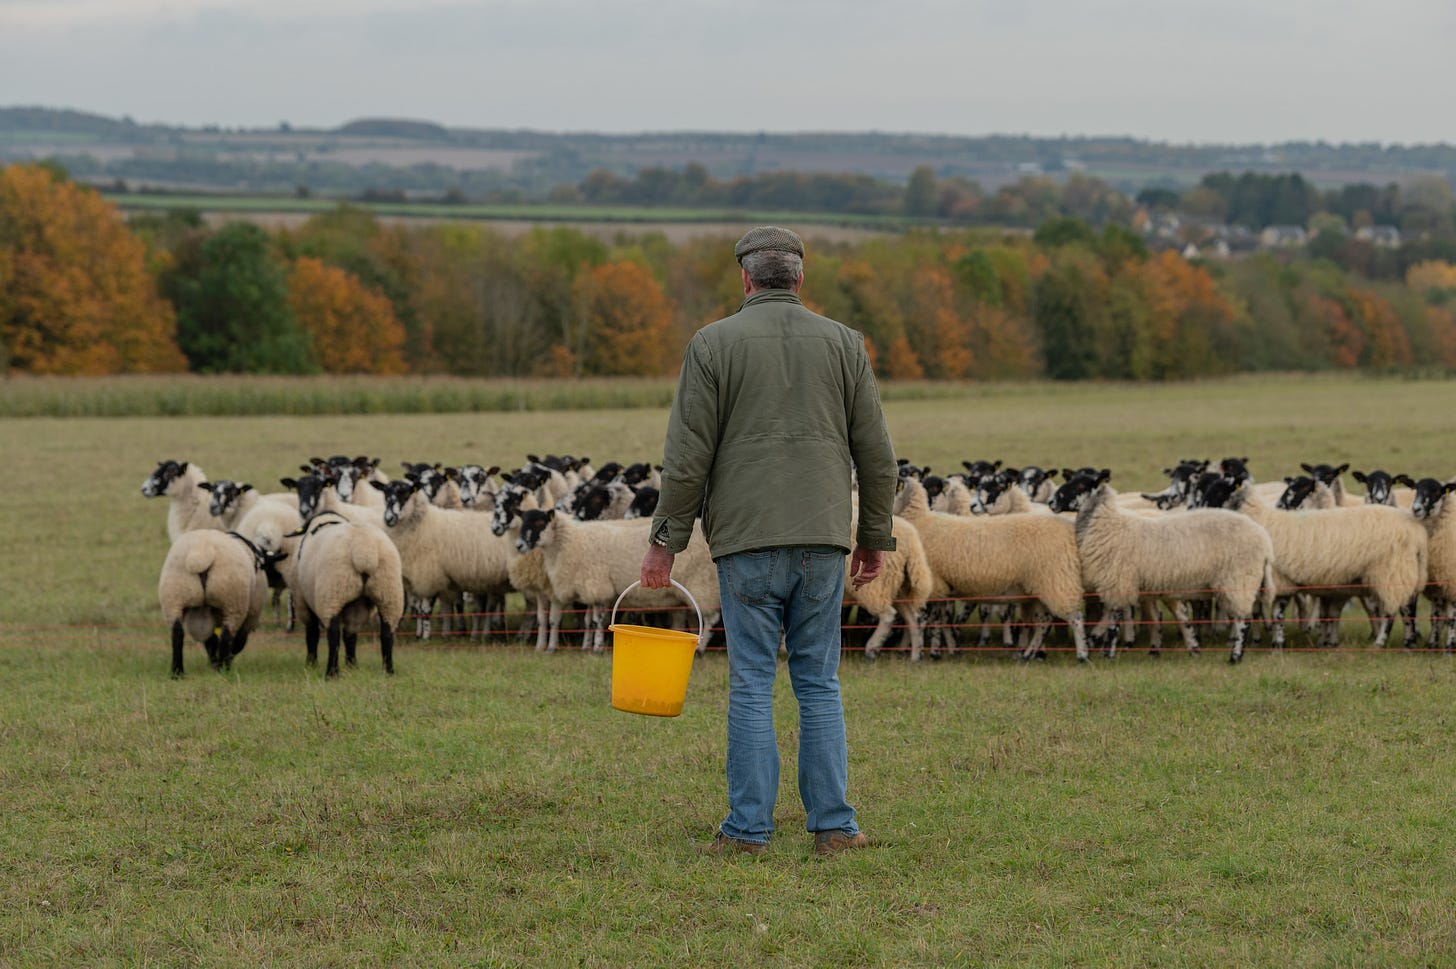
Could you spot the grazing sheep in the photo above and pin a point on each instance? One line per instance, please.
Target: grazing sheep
(1207, 552)
(1376, 548)
(904, 584)
(212, 589)
(1010, 556)
(1436, 510)
(595, 562)
(184, 483)
(347, 573)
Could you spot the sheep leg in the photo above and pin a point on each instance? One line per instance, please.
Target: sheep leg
(984, 640)
(881, 633)
(212, 651)
(239, 641)
(1448, 619)
(555, 623)
(1184, 615)
(1236, 640)
(1412, 637)
(1276, 636)
(1384, 625)
(311, 638)
(351, 649)
(1109, 639)
(333, 635)
(599, 629)
(292, 613)
(178, 639)
(386, 644)
(1079, 635)
(225, 651)
(912, 631)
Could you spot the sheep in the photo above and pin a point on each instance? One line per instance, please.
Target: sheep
(1038, 482)
(644, 504)
(1017, 555)
(230, 501)
(904, 584)
(1374, 547)
(1436, 511)
(594, 562)
(1380, 488)
(345, 573)
(527, 568)
(267, 524)
(1181, 478)
(1208, 551)
(212, 588)
(477, 486)
(604, 502)
(443, 551)
(349, 475)
(184, 484)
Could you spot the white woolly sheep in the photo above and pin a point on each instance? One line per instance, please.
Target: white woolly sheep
(269, 525)
(904, 584)
(1206, 552)
(1374, 548)
(1031, 556)
(594, 562)
(212, 589)
(185, 484)
(347, 573)
(1436, 510)
(443, 551)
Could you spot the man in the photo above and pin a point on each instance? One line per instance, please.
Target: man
(776, 413)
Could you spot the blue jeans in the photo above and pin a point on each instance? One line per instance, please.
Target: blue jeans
(796, 589)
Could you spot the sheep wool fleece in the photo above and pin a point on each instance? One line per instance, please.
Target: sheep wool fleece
(776, 410)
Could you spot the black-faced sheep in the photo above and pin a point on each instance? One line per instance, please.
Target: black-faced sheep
(185, 484)
(1187, 555)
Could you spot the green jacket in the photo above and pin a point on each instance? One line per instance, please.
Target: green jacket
(775, 407)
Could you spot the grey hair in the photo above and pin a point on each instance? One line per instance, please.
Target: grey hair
(773, 269)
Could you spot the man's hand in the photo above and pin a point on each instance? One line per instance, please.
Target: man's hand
(657, 568)
(864, 565)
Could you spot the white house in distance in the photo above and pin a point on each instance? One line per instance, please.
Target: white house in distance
(1384, 236)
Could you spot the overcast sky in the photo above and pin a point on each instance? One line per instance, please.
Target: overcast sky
(1173, 70)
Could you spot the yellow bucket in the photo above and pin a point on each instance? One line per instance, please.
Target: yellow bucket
(650, 666)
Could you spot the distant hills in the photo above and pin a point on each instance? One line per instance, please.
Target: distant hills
(416, 156)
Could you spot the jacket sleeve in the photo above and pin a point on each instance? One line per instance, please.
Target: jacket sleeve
(874, 461)
(692, 442)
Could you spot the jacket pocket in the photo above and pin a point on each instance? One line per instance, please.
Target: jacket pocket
(823, 574)
(750, 576)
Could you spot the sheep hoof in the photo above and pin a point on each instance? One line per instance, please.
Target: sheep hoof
(871, 655)
(1235, 658)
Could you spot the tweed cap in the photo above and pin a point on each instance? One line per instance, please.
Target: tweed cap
(768, 237)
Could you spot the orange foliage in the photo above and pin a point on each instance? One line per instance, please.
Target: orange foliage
(628, 320)
(901, 362)
(75, 294)
(1443, 330)
(1345, 340)
(1431, 274)
(354, 329)
(1388, 345)
(945, 348)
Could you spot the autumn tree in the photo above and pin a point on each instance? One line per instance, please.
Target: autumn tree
(75, 294)
(626, 318)
(352, 328)
(231, 294)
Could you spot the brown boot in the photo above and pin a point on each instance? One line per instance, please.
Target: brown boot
(833, 842)
(724, 845)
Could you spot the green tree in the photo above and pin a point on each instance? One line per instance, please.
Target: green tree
(922, 194)
(231, 294)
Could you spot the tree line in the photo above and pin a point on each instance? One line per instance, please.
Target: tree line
(83, 291)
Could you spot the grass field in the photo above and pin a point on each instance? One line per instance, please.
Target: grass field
(486, 807)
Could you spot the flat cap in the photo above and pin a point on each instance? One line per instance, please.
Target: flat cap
(768, 238)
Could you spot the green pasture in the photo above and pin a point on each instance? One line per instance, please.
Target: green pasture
(485, 806)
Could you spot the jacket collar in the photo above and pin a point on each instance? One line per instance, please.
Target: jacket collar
(771, 296)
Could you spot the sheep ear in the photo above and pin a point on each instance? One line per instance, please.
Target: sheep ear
(494, 469)
(1308, 470)
(1343, 468)
(245, 488)
(306, 469)
(288, 482)
(1289, 479)
(377, 485)
(1359, 476)
(1451, 486)
(1051, 474)
(205, 485)
(551, 515)
(1404, 479)
(1104, 475)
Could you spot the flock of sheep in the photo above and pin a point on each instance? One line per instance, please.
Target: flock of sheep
(353, 548)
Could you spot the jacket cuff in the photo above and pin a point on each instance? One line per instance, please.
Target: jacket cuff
(876, 543)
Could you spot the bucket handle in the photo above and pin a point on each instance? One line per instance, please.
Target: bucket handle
(676, 584)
